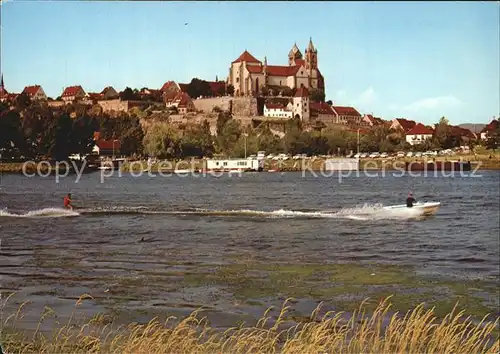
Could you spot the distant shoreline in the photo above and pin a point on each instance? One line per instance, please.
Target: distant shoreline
(484, 162)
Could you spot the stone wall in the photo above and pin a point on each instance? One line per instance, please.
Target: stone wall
(240, 106)
(118, 105)
(208, 104)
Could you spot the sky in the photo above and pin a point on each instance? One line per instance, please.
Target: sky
(419, 60)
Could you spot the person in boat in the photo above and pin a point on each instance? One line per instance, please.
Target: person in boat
(67, 202)
(410, 200)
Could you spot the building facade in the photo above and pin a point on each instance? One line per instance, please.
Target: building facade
(248, 75)
(35, 92)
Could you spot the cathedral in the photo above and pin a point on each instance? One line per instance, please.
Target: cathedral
(248, 74)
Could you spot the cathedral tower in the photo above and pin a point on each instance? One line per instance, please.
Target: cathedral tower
(294, 54)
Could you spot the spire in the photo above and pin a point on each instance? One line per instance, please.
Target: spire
(1, 84)
(311, 46)
(216, 78)
(265, 60)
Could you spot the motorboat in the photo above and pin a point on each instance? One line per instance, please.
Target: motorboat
(429, 208)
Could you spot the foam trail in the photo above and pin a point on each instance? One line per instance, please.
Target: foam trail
(41, 213)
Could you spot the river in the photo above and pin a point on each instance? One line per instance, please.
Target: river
(147, 245)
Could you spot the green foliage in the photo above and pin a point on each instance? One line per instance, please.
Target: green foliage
(11, 137)
(317, 95)
(162, 141)
(197, 88)
(196, 140)
(443, 136)
(129, 95)
(230, 90)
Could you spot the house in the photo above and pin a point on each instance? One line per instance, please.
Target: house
(94, 97)
(462, 134)
(35, 92)
(181, 101)
(347, 115)
(109, 93)
(402, 124)
(172, 86)
(73, 93)
(418, 134)
(107, 147)
(372, 121)
(278, 110)
(489, 129)
(323, 112)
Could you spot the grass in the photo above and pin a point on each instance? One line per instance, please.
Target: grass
(377, 331)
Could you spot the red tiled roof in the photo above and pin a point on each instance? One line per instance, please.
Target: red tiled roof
(71, 91)
(108, 144)
(302, 92)
(420, 129)
(166, 86)
(462, 132)
(183, 99)
(216, 87)
(274, 106)
(278, 70)
(491, 126)
(300, 62)
(346, 111)
(321, 108)
(254, 69)
(246, 56)
(31, 90)
(406, 124)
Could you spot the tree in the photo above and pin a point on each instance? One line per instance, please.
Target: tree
(230, 90)
(196, 140)
(230, 134)
(264, 91)
(329, 102)
(162, 141)
(11, 137)
(197, 88)
(493, 139)
(128, 95)
(443, 136)
(82, 135)
(317, 95)
(222, 118)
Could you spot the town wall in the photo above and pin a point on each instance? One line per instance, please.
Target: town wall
(240, 106)
(118, 105)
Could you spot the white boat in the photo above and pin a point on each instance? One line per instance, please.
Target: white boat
(429, 208)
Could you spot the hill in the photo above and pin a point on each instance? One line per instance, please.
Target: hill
(475, 128)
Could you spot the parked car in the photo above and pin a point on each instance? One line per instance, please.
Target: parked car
(357, 156)
(363, 155)
(384, 155)
(418, 154)
(409, 154)
(400, 154)
(374, 155)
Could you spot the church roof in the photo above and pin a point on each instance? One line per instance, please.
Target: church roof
(246, 56)
(302, 92)
(295, 52)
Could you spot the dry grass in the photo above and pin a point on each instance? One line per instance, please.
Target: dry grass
(417, 331)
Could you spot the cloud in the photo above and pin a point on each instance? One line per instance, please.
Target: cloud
(433, 103)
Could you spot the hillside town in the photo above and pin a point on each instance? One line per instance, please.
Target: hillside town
(255, 94)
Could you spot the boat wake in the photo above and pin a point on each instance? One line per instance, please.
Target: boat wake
(361, 213)
(40, 213)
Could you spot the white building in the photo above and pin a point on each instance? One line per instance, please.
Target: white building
(234, 165)
(278, 110)
(301, 109)
(418, 134)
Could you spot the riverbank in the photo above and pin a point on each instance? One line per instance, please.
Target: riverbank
(482, 162)
(380, 331)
